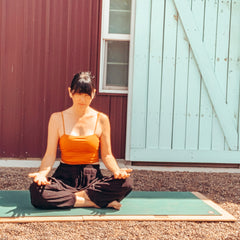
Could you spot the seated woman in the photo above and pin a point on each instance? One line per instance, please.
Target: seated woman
(78, 181)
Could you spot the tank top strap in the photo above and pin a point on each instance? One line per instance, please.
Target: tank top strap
(63, 122)
(96, 123)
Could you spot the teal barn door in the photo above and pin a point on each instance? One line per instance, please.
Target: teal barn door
(184, 96)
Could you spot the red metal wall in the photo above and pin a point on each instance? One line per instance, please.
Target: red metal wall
(42, 45)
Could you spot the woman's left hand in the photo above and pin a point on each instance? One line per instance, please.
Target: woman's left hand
(122, 173)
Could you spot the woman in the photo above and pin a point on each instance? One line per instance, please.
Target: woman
(78, 181)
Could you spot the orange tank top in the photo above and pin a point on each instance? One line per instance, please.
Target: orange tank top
(79, 149)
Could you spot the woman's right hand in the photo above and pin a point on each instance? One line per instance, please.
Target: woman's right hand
(39, 178)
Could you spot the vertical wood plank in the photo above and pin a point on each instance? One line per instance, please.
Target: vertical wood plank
(194, 85)
(155, 73)
(140, 74)
(218, 141)
(168, 76)
(234, 64)
(181, 85)
(206, 111)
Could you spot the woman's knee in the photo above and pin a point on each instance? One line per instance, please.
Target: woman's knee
(37, 194)
(49, 197)
(128, 184)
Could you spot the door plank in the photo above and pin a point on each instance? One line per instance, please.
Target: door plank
(168, 76)
(181, 88)
(206, 110)
(141, 74)
(155, 73)
(234, 64)
(221, 66)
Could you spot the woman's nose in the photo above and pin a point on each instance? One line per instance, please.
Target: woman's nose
(81, 98)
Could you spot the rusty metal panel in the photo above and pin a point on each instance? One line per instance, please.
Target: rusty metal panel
(42, 45)
(118, 115)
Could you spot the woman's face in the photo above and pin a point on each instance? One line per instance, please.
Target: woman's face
(81, 99)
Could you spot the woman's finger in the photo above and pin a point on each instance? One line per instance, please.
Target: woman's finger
(117, 175)
(32, 175)
(123, 173)
(46, 182)
(36, 181)
(40, 182)
(128, 170)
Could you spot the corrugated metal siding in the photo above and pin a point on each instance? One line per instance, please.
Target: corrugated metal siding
(43, 43)
(173, 113)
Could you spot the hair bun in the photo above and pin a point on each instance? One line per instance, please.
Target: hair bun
(86, 75)
(82, 83)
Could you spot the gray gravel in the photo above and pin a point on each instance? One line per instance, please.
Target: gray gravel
(223, 188)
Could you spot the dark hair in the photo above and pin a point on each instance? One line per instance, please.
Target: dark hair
(82, 83)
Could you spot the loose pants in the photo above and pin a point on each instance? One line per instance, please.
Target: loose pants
(69, 179)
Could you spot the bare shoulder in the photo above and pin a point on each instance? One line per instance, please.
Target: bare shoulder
(104, 119)
(55, 119)
(56, 116)
(104, 122)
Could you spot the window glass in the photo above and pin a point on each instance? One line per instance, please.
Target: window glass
(120, 16)
(117, 75)
(117, 63)
(120, 4)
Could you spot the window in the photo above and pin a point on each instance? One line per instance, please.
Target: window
(115, 46)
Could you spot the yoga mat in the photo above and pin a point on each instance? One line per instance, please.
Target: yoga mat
(15, 206)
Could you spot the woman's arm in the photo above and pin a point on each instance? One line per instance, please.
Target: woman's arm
(51, 151)
(106, 151)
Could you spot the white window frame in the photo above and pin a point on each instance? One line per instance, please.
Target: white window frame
(105, 36)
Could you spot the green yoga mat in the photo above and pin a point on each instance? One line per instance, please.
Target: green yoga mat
(16, 205)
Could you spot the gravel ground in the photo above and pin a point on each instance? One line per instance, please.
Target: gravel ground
(222, 188)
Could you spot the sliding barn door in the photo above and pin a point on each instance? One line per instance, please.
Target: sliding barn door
(184, 104)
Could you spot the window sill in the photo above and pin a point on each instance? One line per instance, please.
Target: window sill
(112, 93)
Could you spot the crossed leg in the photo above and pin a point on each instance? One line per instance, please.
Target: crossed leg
(82, 200)
(60, 195)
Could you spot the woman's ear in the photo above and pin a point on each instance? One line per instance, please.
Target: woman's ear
(93, 93)
(69, 92)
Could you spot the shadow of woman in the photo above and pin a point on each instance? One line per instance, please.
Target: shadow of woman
(15, 204)
(18, 204)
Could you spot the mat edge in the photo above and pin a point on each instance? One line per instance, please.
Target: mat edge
(226, 215)
(118, 218)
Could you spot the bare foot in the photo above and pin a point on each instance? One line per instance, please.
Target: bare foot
(114, 204)
(82, 200)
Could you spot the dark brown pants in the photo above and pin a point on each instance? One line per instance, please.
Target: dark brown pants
(69, 179)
